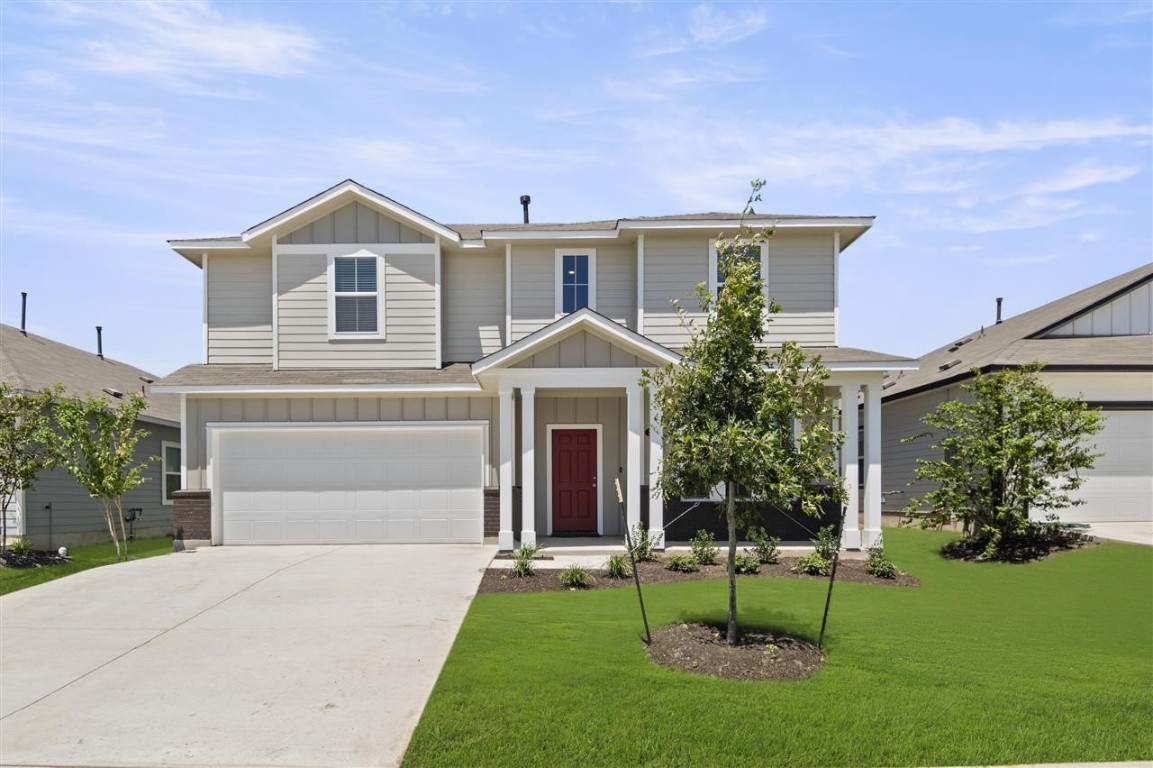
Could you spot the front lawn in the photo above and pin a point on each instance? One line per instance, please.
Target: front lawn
(82, 558)
(984, 664)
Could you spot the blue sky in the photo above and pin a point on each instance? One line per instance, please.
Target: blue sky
(1003, 147)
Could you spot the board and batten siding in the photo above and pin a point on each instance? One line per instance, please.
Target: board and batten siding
(673, 267)
(257, 410)
(409, 316)
(802, 280)
(533, 289)
(473, 296)
(582, 350)
(239, 309)
(1130, 314)
(617, 284)
(354, 223)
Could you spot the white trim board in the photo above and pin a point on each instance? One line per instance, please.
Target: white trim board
(549, 429)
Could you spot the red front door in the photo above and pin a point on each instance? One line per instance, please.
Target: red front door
(574, 481)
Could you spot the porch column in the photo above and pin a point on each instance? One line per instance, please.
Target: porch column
(872, 464)
(635, 460)
(528, 466)
(851, 538)
(656, 454)
(505, 535)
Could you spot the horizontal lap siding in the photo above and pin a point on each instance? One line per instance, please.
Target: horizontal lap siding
(409, 317)
(673, 267)
(239, 309)
(901, 419)
(473, 295)
(802, 280)
(203, 411)
(617, 284)
(533, 290)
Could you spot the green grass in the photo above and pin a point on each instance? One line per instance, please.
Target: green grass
(83, 558)
(983, 664)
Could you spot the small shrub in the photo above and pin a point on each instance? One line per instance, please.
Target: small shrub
(576, 577)
(826, 542)
(814, 565)
(747, 562)
(1037, 540)
(767, 548)
(20, 547)
(522, 564)
(618, 567)
(644, 544)
(876, 564)
(681, 563)
(704, 551)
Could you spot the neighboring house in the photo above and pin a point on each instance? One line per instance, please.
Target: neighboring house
(57, 511)
(371, 374)
(1096, 344)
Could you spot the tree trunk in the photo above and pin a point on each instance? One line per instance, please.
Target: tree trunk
(111, 527)
(4, 521)
(123, 533)
(731, 514)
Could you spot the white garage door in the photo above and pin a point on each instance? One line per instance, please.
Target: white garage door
(382, 484)
(1120, 487)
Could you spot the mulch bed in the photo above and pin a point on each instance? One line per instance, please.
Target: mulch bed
(501, 580)
(758, 654)
(33, 559)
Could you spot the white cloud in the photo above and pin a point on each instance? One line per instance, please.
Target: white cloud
(714, 27)
(1024, 213)
(66, 227)
(1081, 175)
(1103, 13)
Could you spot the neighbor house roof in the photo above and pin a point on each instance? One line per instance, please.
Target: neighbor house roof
(1017, 341)
(262, 378)
(32, 362)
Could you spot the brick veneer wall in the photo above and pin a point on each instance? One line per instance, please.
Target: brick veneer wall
(192, 515)
(491, 511)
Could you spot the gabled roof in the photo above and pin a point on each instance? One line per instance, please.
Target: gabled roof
(33, 363)
(1017, 341)
(583, 319)
(253, 379)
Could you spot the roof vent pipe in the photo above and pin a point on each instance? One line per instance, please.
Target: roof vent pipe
(100, 341)
(999, 300)
(524, 201)
(23, 312)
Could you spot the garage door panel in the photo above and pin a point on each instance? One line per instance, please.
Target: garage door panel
(406, 484)
(1119, 488)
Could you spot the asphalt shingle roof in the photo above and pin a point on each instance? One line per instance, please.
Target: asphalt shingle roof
(257, 375)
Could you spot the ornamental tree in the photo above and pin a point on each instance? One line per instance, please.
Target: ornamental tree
(1010, 447)
(98, 446)
(736, 414)
(26, 443)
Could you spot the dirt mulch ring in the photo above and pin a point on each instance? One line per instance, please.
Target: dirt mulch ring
(542, 580)
(33, 559)
(758, 655)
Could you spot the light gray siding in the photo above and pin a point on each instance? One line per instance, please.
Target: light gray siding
(239, 309)
(901, 419)
(1127, 315)
(473, 295)
(611, 414)
(409, 316)
(533, 289)
(673, 267)
(202, 411)
(582, 350)
(76, 518)
(802, 280)
(355, 223)
(617, 284)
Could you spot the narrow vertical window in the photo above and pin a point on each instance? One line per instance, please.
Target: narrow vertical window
(574, 282)
(355, 294)
(170, 459)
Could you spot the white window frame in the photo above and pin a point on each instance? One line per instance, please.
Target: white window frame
(558, 273)
(333, 335)
(713, 258)
(718, 495)
(165, 470)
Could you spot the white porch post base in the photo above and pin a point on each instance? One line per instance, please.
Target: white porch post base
(850, 538)
(871, 537)
(505, 541)
(658, 537)
(528, 538)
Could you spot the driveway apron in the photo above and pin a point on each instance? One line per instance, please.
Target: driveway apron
(232, 656)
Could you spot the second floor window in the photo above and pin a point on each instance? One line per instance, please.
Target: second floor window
(750, 252)
(576, 280)
(355, 293)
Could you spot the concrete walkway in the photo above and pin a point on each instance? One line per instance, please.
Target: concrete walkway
(232, 656)
(1134, 533)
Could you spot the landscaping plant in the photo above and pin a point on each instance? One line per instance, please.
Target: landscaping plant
(681, 563)
(820, 561)
(522, 561)
(704, 551)
(1010, 447)
(644, 543)
(735, 413)
(576, 577)
(617, 567)
(767, 548)
(748, 563)
(26, 443)
(877, 564)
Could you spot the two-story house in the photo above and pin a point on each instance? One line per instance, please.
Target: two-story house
(373, 375)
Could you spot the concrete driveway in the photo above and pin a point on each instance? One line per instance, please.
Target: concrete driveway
(232, 656)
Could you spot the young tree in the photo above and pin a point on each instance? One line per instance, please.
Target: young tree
(26, 442)
(734, 413)
(98, 446)
(1010, 446)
